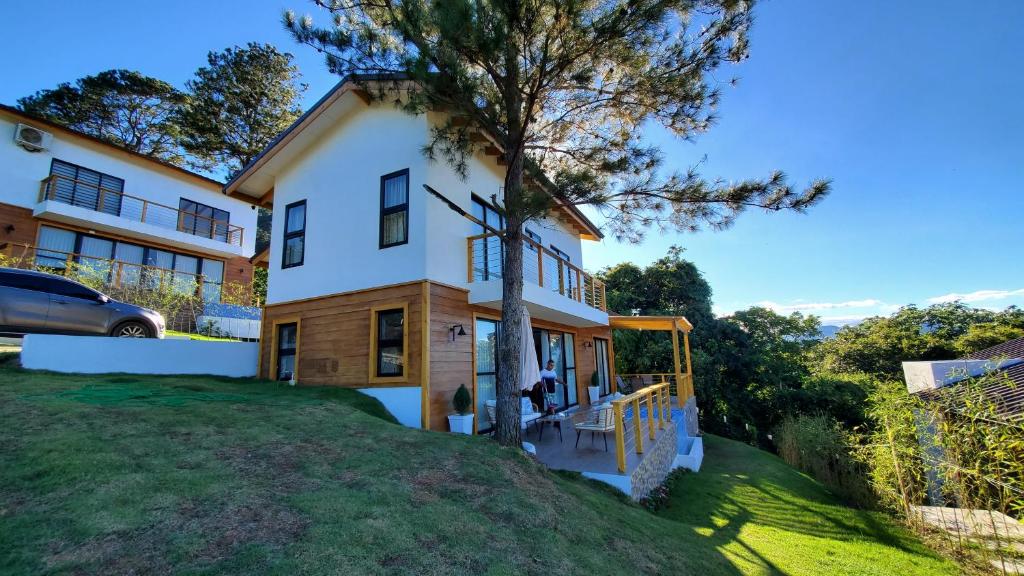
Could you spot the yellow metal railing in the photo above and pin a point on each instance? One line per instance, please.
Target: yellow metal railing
(654, 396)
(680, 385)
(541, 266)
(95, 197)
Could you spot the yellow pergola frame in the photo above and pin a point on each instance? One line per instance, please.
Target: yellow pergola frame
(675, 325)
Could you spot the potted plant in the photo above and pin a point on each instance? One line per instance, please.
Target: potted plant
(595, 388)
(461, 422)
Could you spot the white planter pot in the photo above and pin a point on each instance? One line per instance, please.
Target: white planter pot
(595, 394)
(460, 423)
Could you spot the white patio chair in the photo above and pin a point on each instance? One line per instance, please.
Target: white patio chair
(599, 420)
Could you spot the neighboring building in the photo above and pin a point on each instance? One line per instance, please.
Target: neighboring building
(375, 284)
(69, 198)
(929, 380)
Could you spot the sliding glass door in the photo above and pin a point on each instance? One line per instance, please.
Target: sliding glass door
(486, 343)
(603, 374)
(558, 347)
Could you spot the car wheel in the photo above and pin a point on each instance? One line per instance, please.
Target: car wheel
(132, 330)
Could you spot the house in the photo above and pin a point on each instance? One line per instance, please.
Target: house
(931, 380)
(998, 372)
(67, 198)
(375, 284)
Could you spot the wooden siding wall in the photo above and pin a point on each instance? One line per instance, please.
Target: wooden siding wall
(238, 270)
(21, 219)
(335, 346)
(451, 362)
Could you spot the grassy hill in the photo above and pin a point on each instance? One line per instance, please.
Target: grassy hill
(191, 475)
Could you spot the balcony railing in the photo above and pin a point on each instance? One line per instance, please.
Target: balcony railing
(91, 196)
(485, 255)
(106, 274)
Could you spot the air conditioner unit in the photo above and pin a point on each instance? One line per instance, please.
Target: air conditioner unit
(32, 139)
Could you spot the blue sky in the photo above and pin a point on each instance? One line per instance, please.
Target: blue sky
(912, 108)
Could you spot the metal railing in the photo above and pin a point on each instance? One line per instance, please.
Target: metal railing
(485, 261)
(108, 272)
(680, 385)
(656, 399)
(92, 196)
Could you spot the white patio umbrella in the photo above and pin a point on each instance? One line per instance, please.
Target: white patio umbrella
(529, 371)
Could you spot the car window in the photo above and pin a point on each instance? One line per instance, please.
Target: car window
(25, 281)
(70, 289)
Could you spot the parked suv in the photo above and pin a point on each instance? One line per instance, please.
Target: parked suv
(35, 302)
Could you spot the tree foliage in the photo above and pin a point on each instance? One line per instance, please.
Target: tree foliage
(238, 103)
(123, 107)
(880, 345)
(559, 87)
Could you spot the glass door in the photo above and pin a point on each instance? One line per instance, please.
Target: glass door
(558, 347)
(603, 375)
(486, 343)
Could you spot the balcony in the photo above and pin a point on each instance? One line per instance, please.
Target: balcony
(88, 204)
(554, 289)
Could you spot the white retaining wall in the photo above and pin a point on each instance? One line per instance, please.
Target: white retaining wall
(404, 403)
(99, 354)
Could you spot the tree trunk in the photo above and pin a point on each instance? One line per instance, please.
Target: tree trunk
(507, 428)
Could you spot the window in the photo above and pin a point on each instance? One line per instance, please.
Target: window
(287, 345)
(486, 349)
(294, 235)
(535, 237)
(394, 209)
(202, 220)
(70, 289)
(487, 255)
(124, 264)
(388, 344)
(78, 186)
(567, 272)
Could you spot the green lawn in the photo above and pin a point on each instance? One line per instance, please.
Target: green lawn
(125, 474)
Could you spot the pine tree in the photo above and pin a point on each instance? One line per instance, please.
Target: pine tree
(564, 87)
(123, 107)
(238, 103)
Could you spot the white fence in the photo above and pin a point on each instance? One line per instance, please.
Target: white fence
(99, 355)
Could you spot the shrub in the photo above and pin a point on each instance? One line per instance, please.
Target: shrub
(462, 400)
(818, 445)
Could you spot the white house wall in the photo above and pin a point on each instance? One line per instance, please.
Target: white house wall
(21, 172)
(339, 177)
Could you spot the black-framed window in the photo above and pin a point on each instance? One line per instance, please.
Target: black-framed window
(202, 220)
(394, 209)
(486, 334)
(487, 252)
(287, 346)
(294, 245)
(93, 254)
(390, 343)
(567, 273)
(535, 237)
(80, 186)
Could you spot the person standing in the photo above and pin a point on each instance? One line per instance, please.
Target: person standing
(549, 378)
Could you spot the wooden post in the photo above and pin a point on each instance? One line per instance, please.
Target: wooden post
(469, 259)
(636, 426)
(680, 385)
(99, 200)
(620, 436)
(561, 277)
(604, 300)
(540, 265)
(650, 416)
(143, 218)
(661, 407)
(689, 368)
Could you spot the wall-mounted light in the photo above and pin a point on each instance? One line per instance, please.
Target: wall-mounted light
(461, 332)
(588, 344)
(9, 228)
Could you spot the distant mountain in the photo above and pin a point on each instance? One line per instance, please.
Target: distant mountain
(828, 331)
